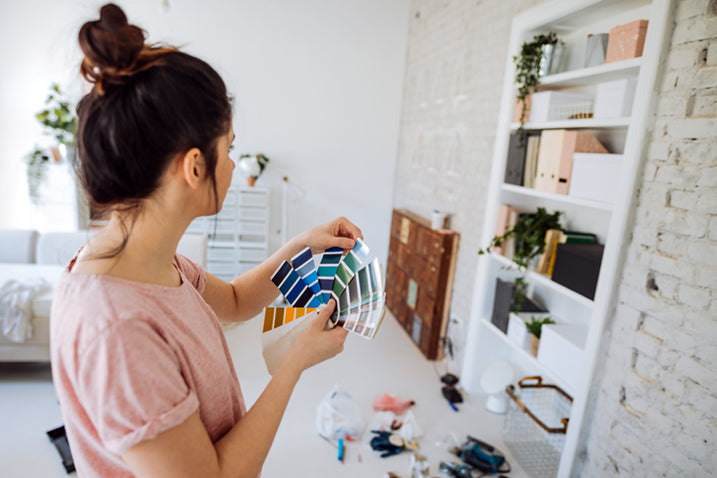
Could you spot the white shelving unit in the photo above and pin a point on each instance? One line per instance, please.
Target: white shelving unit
(573, 20)
(239, 234)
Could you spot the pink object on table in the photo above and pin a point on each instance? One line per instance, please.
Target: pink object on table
(387, 403)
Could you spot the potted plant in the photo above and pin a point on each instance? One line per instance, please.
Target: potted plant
(58, 120)
(252, 165)
(534, 326)
(536, 58)
(529, 234)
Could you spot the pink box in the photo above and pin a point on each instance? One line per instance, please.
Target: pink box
(626, 41)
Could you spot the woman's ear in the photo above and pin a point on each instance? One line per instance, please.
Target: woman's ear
(193, 167)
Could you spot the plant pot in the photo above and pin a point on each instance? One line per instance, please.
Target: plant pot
(534, 344)
(251, 180)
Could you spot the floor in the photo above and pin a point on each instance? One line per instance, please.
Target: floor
(390, 363)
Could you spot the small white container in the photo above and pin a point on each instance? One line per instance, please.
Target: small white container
(562, 349)
(596, 176)
(541, 104)
(614, 99)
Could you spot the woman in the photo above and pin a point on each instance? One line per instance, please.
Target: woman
(143, 373)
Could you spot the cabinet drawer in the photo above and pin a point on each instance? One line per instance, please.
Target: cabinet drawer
(250, 254)
(253, 198)
(222, 268)
(221, 254)
(253, 213)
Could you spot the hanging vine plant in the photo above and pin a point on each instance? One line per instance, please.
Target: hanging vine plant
(527, 66)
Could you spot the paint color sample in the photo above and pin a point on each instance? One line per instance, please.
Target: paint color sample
(293, 287)
(277, 316)
(303, 263)
(327, 270)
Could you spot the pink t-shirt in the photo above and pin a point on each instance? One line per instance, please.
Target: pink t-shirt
(131, 360)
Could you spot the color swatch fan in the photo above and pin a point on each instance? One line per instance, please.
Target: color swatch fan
(356, 288)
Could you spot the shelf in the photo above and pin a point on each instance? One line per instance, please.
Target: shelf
(528, 359)
(545, 281)
(595, 74)
(511, 188)
(253, 244)
(590, 123)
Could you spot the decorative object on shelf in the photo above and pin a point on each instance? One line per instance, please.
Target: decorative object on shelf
(562, 351)
(534, 326)
(596, 49)
(613, 99)
(493, 381)
(58, 120)
(537, 58)
(626, 41)
(252, 165)
(529, 234)
(546, 105)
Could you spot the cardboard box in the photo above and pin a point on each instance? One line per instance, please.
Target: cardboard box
(596, 176)
(562, 350)
(626, 41)
(542, 103)
(614, 99)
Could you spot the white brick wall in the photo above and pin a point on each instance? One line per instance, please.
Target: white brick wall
(654, 405)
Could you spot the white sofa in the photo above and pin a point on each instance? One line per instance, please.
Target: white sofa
(27, 255)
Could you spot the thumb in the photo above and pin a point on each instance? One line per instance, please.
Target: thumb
(322, 318)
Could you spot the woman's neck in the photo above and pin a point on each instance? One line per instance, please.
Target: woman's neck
(146, 256)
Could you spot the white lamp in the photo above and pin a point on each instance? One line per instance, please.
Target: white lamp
(493, 381)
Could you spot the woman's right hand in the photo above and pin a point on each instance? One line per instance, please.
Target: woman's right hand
(316, 343)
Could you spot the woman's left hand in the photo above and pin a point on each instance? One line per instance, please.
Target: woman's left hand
(337, 233)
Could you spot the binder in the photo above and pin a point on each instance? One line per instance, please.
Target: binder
(552, 237)
(555, 157)
(531, 160)
(516, 159)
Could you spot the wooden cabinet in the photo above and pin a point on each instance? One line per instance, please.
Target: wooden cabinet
(419, 279)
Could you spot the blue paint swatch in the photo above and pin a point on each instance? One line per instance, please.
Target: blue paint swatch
(327, 271)
(293, 287)
(303, 263)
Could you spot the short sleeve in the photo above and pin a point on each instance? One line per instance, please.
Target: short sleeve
(131, 385)
(194, 273)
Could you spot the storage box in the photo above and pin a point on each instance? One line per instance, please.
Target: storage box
(626, 41)
(614, 99)
(577, 267)
(596, 176)
(542, 103)
(562, 348)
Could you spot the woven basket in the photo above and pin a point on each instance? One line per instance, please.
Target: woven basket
(535, 425)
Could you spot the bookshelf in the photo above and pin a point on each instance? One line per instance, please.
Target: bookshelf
(572, 20)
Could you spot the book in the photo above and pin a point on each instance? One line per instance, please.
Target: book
(531, 160)
(552, 237)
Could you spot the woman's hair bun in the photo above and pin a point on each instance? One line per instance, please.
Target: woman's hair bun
(111, 46)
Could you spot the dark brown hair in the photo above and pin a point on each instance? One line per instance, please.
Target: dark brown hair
(148, 104)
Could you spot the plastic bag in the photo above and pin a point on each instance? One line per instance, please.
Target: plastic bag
(339, 416)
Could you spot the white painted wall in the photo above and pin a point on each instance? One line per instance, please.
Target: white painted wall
(317, 86)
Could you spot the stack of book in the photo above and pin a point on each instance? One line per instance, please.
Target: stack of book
(544, 160)
(553, 237)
